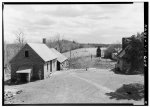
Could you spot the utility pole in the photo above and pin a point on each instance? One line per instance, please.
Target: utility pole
(70, 58)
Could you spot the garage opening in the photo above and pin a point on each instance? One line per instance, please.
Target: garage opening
(24, 77)
(24, 74)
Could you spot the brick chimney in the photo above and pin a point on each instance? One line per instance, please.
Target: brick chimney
(44, 40)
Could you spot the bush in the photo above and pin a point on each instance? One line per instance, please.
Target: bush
(111, 48)
(135, 54)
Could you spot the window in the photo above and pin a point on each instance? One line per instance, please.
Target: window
(26, 54)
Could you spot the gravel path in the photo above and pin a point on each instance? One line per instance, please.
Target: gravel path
(69, 87)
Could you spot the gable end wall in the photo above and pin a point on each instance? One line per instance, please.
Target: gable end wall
(33, 60)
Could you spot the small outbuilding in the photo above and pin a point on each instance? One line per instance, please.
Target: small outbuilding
(62, 61)
(123, 65)
(34, 61)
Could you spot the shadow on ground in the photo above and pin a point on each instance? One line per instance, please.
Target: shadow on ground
(8, 82)
(116, 71)
(134, 91)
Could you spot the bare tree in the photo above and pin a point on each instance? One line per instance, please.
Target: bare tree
(59, 42)
(20, 37)
(5, 53)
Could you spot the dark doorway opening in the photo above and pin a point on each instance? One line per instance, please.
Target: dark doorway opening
(58, 65)
(50, 66)
(24, 77)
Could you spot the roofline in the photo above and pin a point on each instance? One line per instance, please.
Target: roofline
(39, 55)
(119, 53)
(22, 48)
(63, 61)
(123, 50)
(61, 55)
(35, 52)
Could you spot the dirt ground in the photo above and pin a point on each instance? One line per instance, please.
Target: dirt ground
(77, 86)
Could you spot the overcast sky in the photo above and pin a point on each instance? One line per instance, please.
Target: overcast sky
(92, 23)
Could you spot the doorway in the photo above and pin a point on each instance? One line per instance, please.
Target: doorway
(24, 77)
(58, 66)
(50, 66)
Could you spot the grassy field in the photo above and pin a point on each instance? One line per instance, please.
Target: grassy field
(94, 62)
(82, 52)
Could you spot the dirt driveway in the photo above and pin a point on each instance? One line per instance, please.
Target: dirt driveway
(77, 86)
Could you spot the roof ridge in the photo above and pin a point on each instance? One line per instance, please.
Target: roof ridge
(43, 51)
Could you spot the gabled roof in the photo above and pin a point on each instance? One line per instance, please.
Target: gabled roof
(60, 57)
(123, 52)
(43, 51)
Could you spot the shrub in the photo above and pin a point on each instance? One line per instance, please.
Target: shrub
(111, 48)
(135, 54)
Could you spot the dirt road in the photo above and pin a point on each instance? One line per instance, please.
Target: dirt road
(75, 86)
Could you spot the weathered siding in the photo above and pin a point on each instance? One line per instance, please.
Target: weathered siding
(48, 68)
(38, 72)
(64, 65)
(14, 68)
(33, 56)
(54, 64)
(119, 64)
(47, 71)
(123, 65)
(126, 66)
(33, 60)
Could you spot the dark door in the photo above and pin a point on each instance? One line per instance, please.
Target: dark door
(58, 65)
(50, 66)
(23, 77)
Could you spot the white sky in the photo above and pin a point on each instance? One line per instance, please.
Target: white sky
(93, 23)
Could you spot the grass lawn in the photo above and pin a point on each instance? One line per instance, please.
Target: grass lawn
(94, 62)
(80, 52)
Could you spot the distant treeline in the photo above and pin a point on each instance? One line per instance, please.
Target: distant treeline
(67, 45)
(88, 45)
